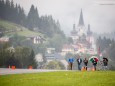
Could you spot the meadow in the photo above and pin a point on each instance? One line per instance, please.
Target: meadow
(62, 78)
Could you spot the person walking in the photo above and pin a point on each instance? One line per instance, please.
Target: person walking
(79, 61)
(70, 61)
(94, 64)
(105, 63)
(85, 63)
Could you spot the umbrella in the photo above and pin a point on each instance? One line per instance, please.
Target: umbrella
(93, 58)
(105, 58)
(96, 59)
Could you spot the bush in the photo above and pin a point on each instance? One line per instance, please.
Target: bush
(55, 65)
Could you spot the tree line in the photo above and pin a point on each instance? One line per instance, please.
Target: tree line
(15, 13)
(106, 46)
(44, 24)
(21, 57)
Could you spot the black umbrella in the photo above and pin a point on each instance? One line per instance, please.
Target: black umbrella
(105, 58)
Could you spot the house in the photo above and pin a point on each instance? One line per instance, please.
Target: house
(36, 39)
(4, 39)
(67, 49)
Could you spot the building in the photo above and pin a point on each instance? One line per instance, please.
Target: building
(4, 39)
(50, 50)
(67, 49)
(82, 36)
(36, 39)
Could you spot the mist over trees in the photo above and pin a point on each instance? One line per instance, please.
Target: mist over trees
(24, 50)
(106, 46)
(21, 57)
(15, 13)
(44, 24)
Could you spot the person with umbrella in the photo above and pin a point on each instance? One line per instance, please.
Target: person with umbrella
(94, 64)
(94, 61)
(105, 63)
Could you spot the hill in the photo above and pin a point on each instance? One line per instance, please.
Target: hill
(10, 29)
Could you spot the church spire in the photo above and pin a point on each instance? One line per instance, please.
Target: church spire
(89, 33)
(81, 21)
(73, 26)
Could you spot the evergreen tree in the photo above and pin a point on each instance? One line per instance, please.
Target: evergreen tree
(16, 13)
(32, 18)
(21, 16)
(2, 6)
(32, 61)
(12, 12)
(7, 10)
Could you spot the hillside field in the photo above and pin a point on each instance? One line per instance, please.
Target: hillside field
(62, 78)
(12, 28)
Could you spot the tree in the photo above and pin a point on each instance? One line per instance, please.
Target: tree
(7, 10)
(55, 65)
(16, 40)
(32, 60)
(56, 42)
(3, 53)
(25, 56)
(21, 16)
(32, 18)
(70, 40)
(103, 43)
(68, 55)
(2, 7)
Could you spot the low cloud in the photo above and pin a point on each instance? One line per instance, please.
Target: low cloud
(101, 17)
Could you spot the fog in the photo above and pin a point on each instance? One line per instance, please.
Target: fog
(99, 14)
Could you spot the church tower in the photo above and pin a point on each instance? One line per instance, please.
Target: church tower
(74, 34)
(83, 39)
(81, 20)
(81, 26)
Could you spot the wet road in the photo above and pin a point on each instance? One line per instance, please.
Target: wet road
(5, 71)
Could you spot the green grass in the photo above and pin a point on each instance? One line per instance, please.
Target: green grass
(69, 78)
(12, 26)
(25, 33)
(8, 25)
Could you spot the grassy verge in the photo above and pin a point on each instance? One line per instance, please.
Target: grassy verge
(69, 78)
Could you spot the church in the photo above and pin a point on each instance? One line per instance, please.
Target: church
(82, 37)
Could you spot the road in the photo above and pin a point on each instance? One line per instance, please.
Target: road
(5, 71)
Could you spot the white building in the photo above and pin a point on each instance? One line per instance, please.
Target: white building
(82, 36)
(4, 39)
(36, 39)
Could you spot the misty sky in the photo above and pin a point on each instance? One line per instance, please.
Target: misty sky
(100, 14)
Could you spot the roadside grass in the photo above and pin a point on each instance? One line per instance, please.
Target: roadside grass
(62, 78)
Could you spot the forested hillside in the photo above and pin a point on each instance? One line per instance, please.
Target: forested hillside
(20, 50)
(15, 13)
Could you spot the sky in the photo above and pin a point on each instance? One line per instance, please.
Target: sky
(100, 14)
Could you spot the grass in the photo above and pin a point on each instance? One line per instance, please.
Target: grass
(12, 26)
(68, 78)
(25, 32)
(9, 25)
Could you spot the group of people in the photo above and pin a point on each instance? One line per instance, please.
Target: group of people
(85, 61)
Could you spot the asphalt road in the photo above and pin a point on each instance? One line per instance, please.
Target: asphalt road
(5, 71)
